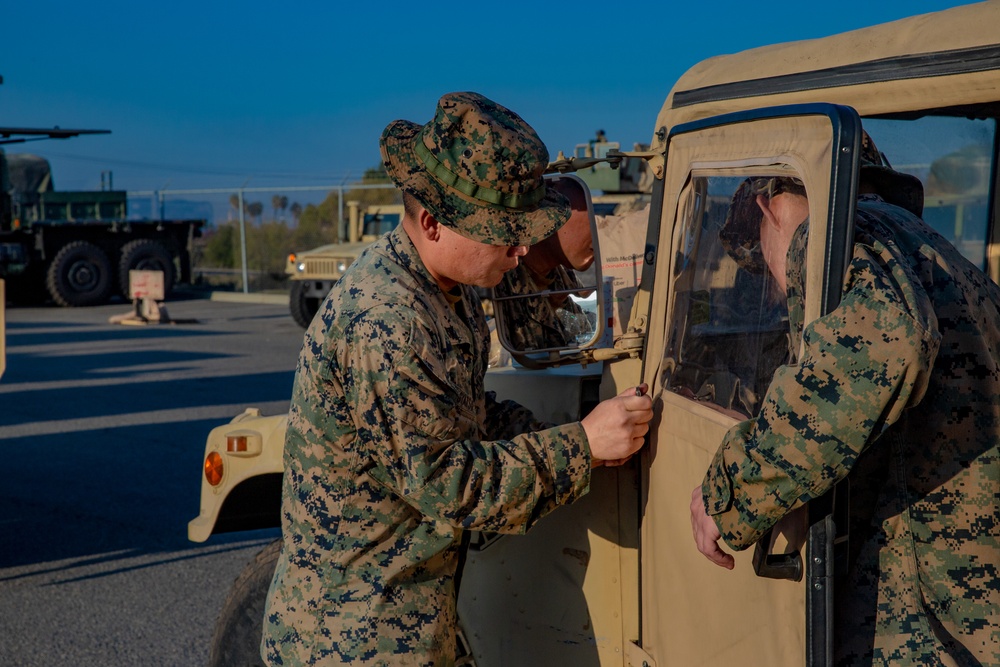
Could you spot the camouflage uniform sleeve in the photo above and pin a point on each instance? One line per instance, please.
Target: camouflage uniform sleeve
(421, 439)
(859, 368)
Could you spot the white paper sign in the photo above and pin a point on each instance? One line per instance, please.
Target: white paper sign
(145, 285)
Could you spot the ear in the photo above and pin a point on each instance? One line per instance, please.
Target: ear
(765, 207)
(429, 226)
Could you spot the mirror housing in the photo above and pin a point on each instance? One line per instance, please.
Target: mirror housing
(552, 307)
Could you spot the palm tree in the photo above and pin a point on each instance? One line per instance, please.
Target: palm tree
(275, 205)
(234, 203)
(256, 210)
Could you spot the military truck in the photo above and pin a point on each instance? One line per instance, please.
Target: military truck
(313, 273)
(78, 247)
(615, 578)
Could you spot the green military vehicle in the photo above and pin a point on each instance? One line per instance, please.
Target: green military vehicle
(615, 579)
(312, 273)
(78, 247)
(626, 184)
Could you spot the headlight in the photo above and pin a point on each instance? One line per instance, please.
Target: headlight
(300, 267)
(213, 468)
(342, 266)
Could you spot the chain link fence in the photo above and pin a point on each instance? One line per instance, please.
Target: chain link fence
(250, 231)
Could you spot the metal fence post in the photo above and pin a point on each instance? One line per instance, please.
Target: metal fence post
(341, 235)
(243, 245)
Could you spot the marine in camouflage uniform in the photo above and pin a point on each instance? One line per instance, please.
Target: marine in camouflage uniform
(897, 391)
(393, 448)
(541, 321)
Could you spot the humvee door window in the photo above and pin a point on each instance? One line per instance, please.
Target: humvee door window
(729, 322)
(953, 158)
(377, 224)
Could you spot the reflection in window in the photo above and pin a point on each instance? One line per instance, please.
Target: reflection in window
(729, 327)
(953, 157)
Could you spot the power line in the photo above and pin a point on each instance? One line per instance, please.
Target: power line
(209, 171)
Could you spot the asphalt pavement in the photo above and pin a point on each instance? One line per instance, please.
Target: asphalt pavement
(102, 433)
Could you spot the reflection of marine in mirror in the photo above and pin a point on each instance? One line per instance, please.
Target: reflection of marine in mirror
(556, 314)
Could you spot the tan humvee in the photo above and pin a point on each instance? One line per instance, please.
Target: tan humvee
(312, 273)
(615, 579)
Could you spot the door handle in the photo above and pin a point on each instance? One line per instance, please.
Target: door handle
(775, 566)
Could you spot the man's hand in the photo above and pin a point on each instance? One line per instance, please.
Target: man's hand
(706, 533)
(617, 426)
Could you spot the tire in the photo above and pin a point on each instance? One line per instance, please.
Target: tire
(80, 275)
(303, 307)
(146, 255)
(236, 640)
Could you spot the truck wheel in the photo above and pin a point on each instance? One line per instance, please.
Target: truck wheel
(80, 275)
(236, 640)
(146, 255)
(303, 307)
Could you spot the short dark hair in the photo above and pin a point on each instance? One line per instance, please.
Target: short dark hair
(411, 207)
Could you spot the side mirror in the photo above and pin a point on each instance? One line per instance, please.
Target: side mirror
(553, 304)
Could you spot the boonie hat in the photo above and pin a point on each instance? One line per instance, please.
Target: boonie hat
(478, 168)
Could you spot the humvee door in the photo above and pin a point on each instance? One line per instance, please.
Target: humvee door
(717, 330)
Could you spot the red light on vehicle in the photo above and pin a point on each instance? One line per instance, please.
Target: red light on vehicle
(236, 443)
(213, 468)
(291, 258)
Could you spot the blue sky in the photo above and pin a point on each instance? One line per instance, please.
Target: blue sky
(209, 94)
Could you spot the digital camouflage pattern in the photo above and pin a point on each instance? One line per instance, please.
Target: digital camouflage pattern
(393, 449)
(478, 168)
(898, 391)
(541, 321)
